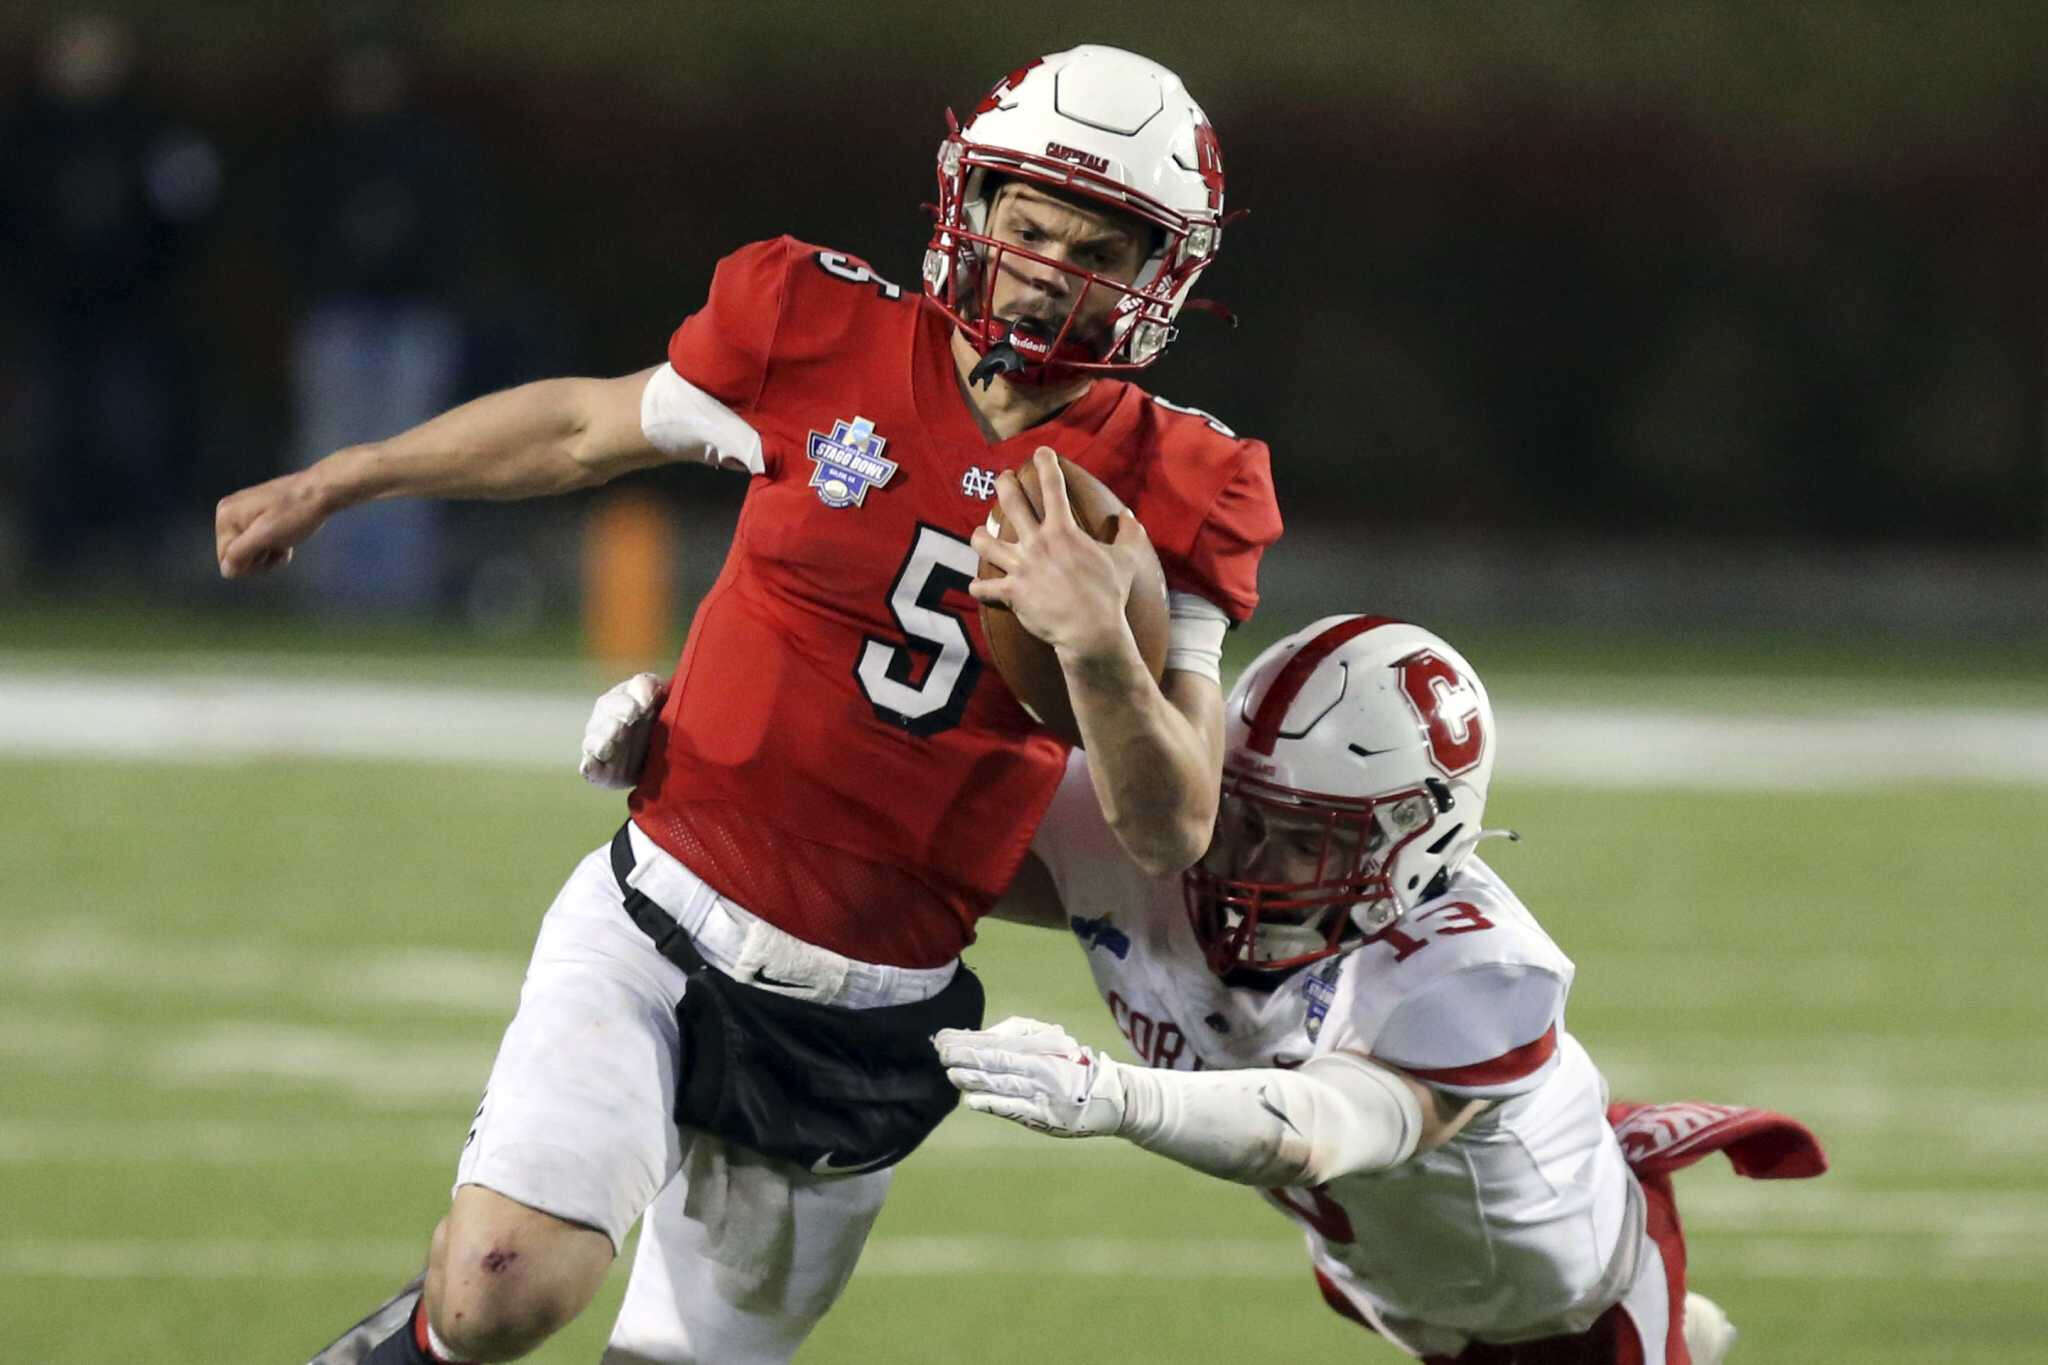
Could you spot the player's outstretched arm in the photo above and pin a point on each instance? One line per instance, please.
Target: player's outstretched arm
(1337, 1114)
(540, 438)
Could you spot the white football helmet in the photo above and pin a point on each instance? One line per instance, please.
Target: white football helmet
(1357, 754)
(1101, 123)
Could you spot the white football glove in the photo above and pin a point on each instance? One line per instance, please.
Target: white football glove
(615, 740)
(1037, 1075)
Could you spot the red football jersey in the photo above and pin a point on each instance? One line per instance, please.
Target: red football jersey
(833, 755)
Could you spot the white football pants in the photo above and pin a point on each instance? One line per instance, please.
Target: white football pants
(740, 1255)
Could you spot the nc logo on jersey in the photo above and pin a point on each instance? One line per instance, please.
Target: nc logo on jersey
(849, 463)
(978, 483)
(1320, 988)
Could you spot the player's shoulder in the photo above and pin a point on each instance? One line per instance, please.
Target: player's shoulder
(830, 274)
(782, 255)
(1511, 936)
(1206, 498)
(1193, 435)
(754, 267)
(1466, 991)
(812, 289)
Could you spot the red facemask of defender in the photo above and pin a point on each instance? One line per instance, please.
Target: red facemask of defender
(1291, 877)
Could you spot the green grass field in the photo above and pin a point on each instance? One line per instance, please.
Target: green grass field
(245, 1009)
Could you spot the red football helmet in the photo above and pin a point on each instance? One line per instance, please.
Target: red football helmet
(1357, 755)
(1105, 125)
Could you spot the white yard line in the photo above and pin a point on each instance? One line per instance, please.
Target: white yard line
(224, 1142)
(1831, 1206)
(1849, 747)
(1180, 1261)
(1770, 1258)
(397, 1074)
(207, 1260)
(198, 718)
(191, 718)
(431, 980)
(136, 1259)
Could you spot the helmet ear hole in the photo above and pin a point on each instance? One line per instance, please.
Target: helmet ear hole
(978, 196)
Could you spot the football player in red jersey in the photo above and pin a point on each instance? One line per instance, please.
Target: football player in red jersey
(725, 1022)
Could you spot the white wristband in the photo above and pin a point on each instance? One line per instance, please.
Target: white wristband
(1194, 635)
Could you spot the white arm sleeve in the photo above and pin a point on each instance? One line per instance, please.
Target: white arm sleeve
(682, 420)
(1335, 1115)
(1194, 635)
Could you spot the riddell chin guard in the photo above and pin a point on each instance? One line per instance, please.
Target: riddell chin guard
(1095, 123)
(1006, 356)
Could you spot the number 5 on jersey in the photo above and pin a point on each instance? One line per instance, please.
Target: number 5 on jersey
(938, 563)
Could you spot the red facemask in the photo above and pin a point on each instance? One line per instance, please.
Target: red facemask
(1249, 913)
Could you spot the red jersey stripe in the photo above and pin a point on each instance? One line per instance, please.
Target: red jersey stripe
(1506, 1067)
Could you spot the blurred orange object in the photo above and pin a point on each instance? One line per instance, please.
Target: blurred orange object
(629, 573)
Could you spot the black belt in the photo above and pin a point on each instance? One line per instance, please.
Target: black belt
(671, 940)
(839, 1091)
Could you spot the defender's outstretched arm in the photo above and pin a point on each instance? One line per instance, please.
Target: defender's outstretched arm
(1337, 1114)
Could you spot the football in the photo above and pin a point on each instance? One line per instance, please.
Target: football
(1027, 663)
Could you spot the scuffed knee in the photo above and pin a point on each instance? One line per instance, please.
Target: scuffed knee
(500, 1304)
(504, 1278)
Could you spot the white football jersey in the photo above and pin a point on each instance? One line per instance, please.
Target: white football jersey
(1528, 1223)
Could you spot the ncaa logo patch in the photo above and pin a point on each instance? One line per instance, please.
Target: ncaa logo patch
(849, 463)
(1320, 988)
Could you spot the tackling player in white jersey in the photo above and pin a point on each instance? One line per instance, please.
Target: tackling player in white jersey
(1341, 1005)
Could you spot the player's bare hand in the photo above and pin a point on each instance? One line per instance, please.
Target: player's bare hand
(256, 529)
(1067, 588)
(1035, 1074)
(615, 739)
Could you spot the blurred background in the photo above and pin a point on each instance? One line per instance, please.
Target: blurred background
(1684, 364)
(1629, 314)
